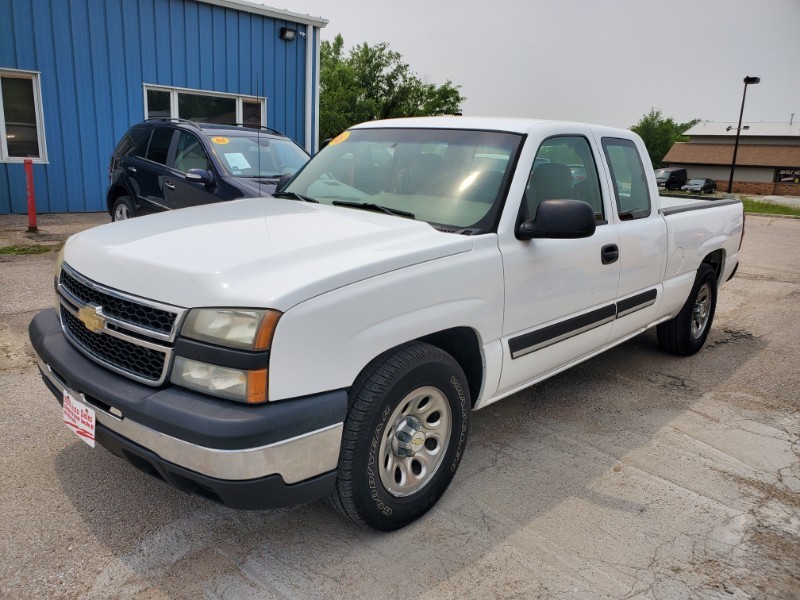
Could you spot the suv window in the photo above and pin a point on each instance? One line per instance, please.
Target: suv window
(159, 145)
(564, 168)
(189, 153)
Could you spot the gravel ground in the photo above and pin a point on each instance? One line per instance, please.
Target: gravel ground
(633, 475)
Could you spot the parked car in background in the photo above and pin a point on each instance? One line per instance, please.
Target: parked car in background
(671, 179)
(166, 164)
(700, 186)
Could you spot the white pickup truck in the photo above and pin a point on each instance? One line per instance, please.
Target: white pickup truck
(332, 341)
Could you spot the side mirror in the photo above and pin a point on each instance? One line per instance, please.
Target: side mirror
(559, 219)
(199, 176)
(284, 179)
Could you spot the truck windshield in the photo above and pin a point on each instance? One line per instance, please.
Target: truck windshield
(449, 178)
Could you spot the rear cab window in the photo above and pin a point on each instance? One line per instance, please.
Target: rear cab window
(628, 177)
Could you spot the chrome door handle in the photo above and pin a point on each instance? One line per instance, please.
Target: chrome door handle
(169, 185)
(132, 169)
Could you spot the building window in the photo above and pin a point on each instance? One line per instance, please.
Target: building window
(206, 107)
(21, 124)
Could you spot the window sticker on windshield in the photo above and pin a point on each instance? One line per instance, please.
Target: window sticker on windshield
(339, 138)
(220, 140)
(237, 161)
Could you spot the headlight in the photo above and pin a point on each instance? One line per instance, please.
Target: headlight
(247, 329)
(233, 384)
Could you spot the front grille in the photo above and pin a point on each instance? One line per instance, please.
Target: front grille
(136, 360)
(135, 313)
(135, 336)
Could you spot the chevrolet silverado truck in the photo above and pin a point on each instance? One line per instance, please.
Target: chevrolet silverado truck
(333, 340)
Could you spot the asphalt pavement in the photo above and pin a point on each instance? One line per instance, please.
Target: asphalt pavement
(633, 475)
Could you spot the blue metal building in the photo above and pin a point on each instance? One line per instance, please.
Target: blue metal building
(75, 74)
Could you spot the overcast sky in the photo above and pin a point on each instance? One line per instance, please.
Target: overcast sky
(599, 61)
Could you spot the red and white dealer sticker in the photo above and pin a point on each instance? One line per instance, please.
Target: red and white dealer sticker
(79, 418)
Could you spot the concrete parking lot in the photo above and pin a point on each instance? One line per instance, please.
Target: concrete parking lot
(634, 475)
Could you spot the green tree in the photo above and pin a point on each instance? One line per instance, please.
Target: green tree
(373, 82)
(659, 134)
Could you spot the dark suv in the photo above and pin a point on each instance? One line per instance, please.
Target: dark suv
(165, 164)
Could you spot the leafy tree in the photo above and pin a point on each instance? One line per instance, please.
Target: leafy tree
(659, 134)
(373, 82)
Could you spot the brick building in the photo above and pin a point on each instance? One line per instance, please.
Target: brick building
(767, 163)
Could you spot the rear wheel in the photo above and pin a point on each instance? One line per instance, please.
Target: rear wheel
(686, 333)
(122, 209)
(404, 436)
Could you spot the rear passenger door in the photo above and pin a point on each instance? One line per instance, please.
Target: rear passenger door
(145, 170)
(642, 236)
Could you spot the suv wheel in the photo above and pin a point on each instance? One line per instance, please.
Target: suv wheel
(122, 209)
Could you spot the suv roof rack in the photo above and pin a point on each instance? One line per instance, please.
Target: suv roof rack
(179, 120)
(268, 129)
(202, 124)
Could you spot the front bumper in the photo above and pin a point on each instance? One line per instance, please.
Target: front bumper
(264, 456)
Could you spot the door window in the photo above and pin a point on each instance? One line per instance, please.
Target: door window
(564, 168)
(189, 154)
(159, 145)
(628, 177)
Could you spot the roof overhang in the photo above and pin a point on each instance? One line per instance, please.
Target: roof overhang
(266, 11)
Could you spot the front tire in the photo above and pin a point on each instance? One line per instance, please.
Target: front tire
(404, 436)
(686, 333)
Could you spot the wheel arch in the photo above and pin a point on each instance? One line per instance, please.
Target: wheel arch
(716, 260)
(114, 193)
(463, 344)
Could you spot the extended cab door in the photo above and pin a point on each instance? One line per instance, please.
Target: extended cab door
(642, 235)
(560, 293)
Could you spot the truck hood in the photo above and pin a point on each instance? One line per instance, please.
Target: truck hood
(260, 252)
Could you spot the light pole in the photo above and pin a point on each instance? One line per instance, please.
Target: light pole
(747, 81)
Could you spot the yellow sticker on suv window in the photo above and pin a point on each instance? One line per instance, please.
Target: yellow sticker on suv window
(339, 138)
(220, 140)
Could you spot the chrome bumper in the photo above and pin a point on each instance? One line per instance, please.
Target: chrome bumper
(294, 459)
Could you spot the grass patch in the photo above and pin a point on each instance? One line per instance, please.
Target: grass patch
(37, 249)
(769, 208)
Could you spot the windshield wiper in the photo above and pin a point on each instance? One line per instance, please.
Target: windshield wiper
(294, 196)
(375, 208)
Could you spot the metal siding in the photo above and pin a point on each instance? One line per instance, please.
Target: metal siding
(5, 191)
(231, 50)
(145, 44)
(206, 34)
(88, 114)
(8, 54)
(177, 33)
(247, 78)
(94, 57)
(23, 35)
(163, 41)
(122, 28)
(52, 192)
(257, 57)
(218, 48)
(191, 21)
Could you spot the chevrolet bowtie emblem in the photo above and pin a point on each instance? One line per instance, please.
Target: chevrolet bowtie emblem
(90, 316)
